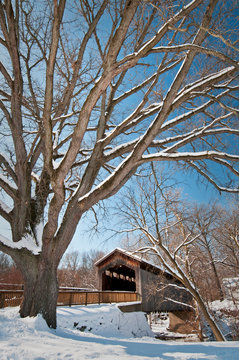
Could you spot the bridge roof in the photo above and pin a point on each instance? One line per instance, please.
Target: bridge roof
(146, 265)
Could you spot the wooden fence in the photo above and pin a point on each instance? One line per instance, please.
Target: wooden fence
(68, 297)
(10, 298)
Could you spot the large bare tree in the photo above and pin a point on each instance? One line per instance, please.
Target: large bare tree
(91, 90)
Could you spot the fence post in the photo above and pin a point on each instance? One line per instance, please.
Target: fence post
(86, 298)
(2, 299)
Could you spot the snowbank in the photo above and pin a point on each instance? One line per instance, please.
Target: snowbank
(105, 320)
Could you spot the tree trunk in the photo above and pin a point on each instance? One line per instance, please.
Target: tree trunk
(211, 322)
(220, 292)
(215, 329)
(40, 289)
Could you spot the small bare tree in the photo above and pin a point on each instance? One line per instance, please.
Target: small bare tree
(79, 270)
(215, 254)
(204, 220)
(227, 236)
(68, 273)
(84, 104)
(157, 215)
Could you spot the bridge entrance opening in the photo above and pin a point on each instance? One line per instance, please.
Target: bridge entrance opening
(119, 277)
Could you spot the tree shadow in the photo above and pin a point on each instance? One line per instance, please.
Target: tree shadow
(162, 350)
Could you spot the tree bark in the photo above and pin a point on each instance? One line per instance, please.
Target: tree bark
(40, 288)
(219, 288)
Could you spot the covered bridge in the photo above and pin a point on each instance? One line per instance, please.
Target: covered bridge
(122, 270)
(159, 290)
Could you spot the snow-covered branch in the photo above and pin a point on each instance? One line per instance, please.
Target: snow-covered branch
(146, 48)
(5, 211)
(26, 243)
(189, 156)
(210, 180)
(8, 186)
(185, 243)
(180, 303)
(183, 139)
(200, 49)
(4, 161)
(208, 80)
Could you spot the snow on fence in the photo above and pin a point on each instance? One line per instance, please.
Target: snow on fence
(68, 298)
(10, 298)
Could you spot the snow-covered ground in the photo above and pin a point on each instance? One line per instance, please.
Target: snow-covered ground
(97, 332)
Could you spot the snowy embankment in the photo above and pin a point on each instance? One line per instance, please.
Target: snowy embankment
(97, 332)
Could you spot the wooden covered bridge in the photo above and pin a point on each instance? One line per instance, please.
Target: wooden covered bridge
(121, 270)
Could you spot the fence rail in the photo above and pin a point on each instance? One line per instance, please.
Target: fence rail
(68, 297)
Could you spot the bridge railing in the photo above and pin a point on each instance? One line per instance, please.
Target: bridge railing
(69, 297)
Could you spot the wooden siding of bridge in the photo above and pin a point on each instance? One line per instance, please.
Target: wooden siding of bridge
(68, 298)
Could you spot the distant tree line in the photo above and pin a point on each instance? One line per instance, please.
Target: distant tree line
(76, 270)
(9, 274)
